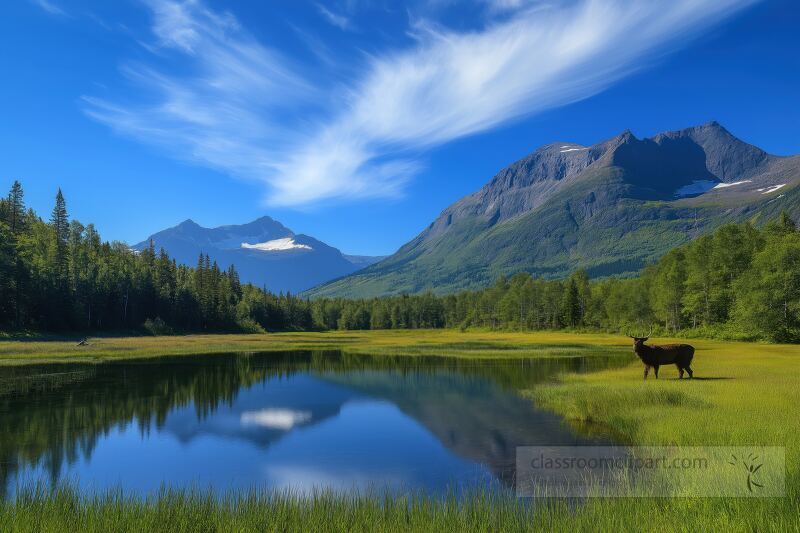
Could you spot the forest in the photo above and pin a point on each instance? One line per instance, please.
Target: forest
(58, 275)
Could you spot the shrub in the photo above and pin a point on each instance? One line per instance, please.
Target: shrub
(248, 325)
(157, 327)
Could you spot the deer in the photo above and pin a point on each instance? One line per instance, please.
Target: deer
(654, 356)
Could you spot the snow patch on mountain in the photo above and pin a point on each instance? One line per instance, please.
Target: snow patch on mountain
(771, 189)
(723, 185)
(277, 245)
(698, 187)
(695, 188)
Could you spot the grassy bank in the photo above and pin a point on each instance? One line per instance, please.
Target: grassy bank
(745, 394)
(382, 342)
(445, 342)
(186, 511)
(65, 510)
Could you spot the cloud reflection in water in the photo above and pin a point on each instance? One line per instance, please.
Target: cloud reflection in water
(284, 419)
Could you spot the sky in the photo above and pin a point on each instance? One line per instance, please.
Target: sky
(358, 121)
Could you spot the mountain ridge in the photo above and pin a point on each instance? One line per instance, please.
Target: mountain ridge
(264, 252)
(611, 208)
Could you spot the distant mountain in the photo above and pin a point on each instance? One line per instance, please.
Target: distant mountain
(362, 261)
(610, 208)
(265, 252)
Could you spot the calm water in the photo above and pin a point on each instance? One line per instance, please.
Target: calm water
(299, 421)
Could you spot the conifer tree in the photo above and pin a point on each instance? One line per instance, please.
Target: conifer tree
(787, 222)
(16, 209)
(60, 223)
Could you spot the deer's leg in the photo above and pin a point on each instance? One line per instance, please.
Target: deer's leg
(680, 373)
(689, 370)
(655, 370)
(646, 371)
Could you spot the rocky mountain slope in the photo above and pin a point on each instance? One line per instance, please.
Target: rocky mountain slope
(610, 208)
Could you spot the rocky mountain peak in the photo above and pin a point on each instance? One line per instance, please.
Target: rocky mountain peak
(611, 208)
(188, 223)
(726, 157)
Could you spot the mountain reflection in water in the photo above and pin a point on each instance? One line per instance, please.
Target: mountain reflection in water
(295, 420)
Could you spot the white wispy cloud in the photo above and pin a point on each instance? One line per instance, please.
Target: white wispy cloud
(248, 110)
(505, 5)
(50, 7)
(227, 109)
(340, 21)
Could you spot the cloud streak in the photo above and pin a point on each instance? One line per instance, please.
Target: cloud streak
(250, 111)
(50, 7)
(340, 21)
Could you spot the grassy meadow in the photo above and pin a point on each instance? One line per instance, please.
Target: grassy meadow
(743, 394)
(444, 342)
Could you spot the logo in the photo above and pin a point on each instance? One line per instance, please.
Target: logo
(751, 466)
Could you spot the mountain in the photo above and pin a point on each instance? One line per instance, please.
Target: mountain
(610, 208)
(265, 252)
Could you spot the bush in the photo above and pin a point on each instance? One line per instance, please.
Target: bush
(248, 325)
(157, 327)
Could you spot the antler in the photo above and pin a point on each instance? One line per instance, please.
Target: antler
(650, 332)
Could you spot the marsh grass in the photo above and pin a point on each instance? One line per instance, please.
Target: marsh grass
(451, 343)
(65, 509)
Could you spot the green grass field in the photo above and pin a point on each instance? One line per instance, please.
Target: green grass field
(745, 394)
(443, 342)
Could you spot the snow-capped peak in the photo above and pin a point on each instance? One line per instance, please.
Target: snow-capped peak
(276, 245)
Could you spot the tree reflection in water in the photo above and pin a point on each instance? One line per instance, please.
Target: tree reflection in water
(51, 415)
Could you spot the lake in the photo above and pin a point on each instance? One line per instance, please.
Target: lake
(299, 421)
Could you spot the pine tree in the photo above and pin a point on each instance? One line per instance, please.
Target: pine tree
(13, 213)
(571, 305)
(7, 266)
(236, 284)
(16, 209)
(60, 223)
(200, 287)
(787, 222)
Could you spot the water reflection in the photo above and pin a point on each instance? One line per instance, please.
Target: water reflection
(294, 420)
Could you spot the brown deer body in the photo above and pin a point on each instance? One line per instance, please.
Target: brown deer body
(667, 354)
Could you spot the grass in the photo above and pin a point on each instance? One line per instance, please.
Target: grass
(450, 343)
(66, 510)
(745, 394)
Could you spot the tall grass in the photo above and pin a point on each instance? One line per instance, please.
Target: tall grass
(65, 509)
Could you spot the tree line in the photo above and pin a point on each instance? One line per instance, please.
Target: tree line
(741, 281)
(57, 275)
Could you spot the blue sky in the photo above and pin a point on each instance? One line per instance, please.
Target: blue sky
(358, 121)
